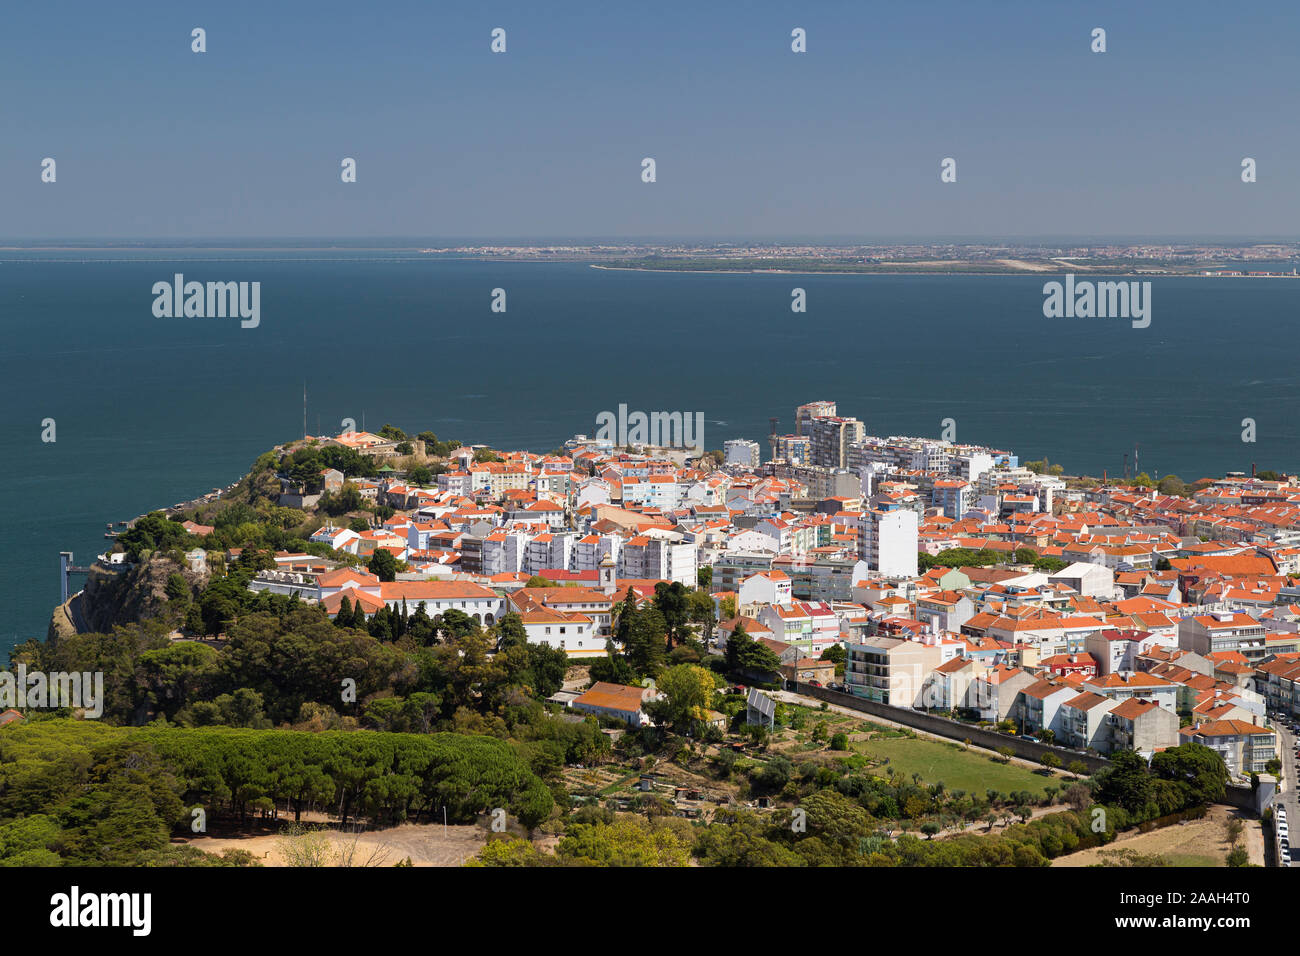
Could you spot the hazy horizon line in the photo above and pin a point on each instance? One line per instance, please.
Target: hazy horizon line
(826, 240)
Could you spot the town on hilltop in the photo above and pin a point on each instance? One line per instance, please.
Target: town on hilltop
(948, 577)
(773, 633)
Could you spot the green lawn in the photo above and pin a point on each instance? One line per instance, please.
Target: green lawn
(958, 769)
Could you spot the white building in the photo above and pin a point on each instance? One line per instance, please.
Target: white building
(1090, 580)
(766, 587)
(888, 542)
(659, 555)
(741, 452)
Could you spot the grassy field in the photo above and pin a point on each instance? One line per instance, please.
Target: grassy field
(958, 769)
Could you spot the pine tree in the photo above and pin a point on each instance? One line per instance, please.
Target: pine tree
(344, 616)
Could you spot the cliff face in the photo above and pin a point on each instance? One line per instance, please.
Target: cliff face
(111, 598)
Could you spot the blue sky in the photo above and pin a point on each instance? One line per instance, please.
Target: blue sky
(750, 139)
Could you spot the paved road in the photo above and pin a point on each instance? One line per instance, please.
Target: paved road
(1288, 790)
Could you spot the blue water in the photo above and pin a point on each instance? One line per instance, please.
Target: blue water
(154, 411)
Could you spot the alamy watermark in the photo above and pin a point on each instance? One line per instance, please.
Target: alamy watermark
(39, 690)
(212, 300)
(75, 908)
(1086, 299)
(657, 429)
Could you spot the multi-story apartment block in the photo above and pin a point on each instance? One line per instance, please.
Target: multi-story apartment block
(831, 438)
(662, 556)
(887, 541)
(824, 577)
(591, 549)
(1141, 725)
(955, 496)
(811, 626)
(804, 414)
(794, 449)
(1083, 722)
(890, 670)
(765, 587)
(732, 567)
(548, 551)
(1207, 634)
(1128, 684)
(1246, 748)
(1039, 707)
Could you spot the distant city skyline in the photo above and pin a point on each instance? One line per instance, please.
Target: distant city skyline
(751, 140)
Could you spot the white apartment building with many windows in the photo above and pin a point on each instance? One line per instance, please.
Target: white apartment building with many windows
(887, 541)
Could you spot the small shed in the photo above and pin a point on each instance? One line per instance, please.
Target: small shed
(760, 709)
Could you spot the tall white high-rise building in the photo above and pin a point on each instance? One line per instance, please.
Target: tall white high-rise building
(887, 541)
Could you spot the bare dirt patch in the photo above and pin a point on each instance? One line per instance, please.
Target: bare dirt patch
(427, 844)
(1201, 842)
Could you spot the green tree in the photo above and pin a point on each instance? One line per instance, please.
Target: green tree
(746, 654)
(700, 612)
(835, 653)
(383, 565)
(689, 690)
(1196, 769)
(510, 632)
(630, 842)
(344, 616)
(1126, 782)
(670, 601)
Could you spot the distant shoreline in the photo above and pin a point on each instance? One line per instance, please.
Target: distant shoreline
(931, 272)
